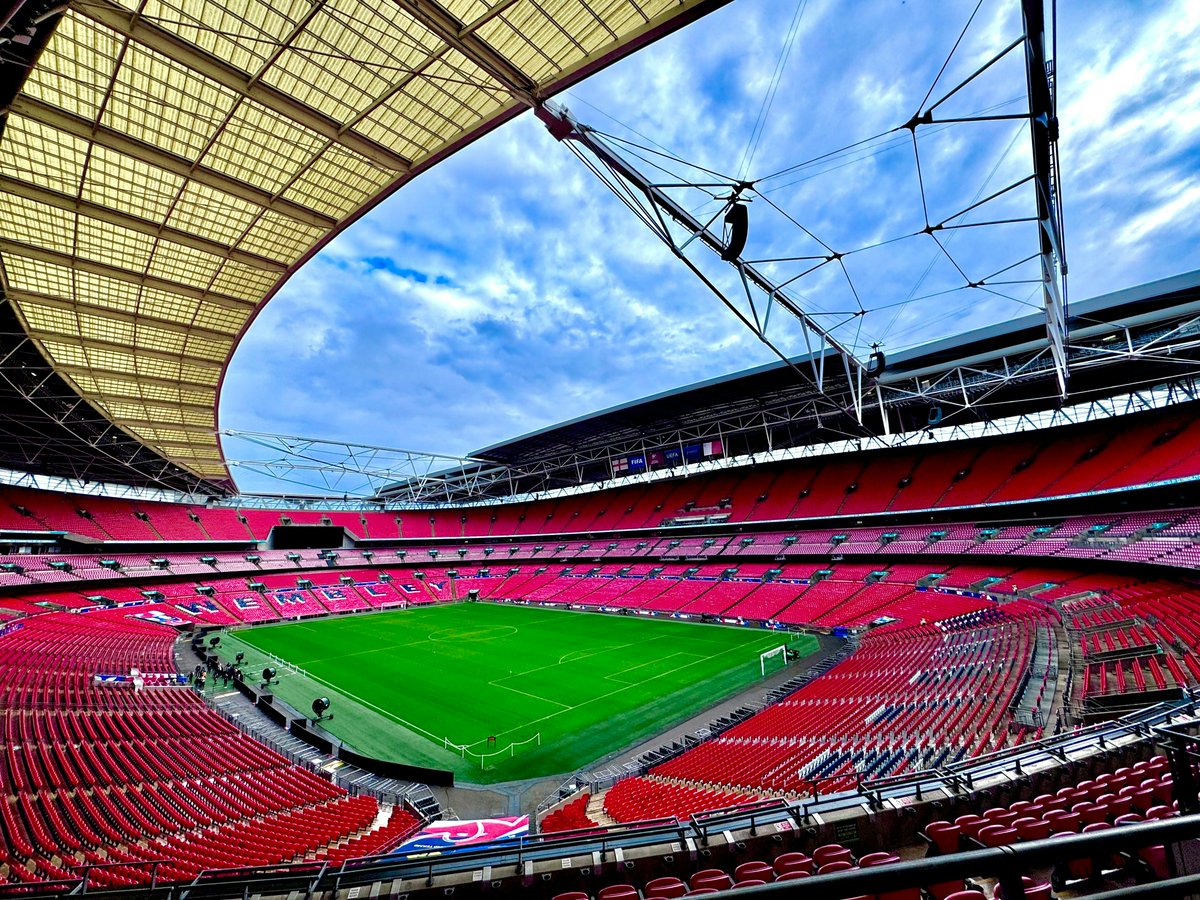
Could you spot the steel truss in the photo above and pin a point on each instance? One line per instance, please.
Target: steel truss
(1138, 341)
(47, 427)
(332, 468)
(644, 189)
(424, 480)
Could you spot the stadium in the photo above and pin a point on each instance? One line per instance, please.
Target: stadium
(887, 614)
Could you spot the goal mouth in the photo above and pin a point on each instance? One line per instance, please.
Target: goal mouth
(780, 652)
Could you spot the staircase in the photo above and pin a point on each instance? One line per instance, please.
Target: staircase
(595, 810)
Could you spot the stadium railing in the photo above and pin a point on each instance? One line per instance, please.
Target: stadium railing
(713, 829)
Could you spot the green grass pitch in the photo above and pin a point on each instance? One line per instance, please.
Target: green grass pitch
(402, 683)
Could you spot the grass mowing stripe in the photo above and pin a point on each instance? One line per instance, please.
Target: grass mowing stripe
(385, 670)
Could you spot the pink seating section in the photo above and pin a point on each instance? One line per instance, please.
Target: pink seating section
(1148, 448)
(103, 775)
(636, 799)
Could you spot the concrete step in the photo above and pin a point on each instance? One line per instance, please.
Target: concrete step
(595, 810)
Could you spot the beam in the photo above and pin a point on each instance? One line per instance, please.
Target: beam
(1043, 131)
(462, 38)
(119, 315)
(134, 352)
(177, 426)
(134, 378)
(130, 24)
(15, 186)
(77, 126)
(41, 254)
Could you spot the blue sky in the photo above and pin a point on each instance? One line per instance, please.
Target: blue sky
(507, 289)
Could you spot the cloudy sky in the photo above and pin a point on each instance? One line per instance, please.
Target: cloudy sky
(507, 289)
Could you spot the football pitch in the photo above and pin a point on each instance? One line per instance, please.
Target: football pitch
(556, 689)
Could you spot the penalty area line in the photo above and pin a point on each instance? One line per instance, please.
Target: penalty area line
(612, 693)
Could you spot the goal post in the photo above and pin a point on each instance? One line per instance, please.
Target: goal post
(780, 652)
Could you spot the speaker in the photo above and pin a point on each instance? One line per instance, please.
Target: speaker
(738, 220)
(935, 415)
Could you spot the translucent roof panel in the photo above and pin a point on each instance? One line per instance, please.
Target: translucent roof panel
(168, 163)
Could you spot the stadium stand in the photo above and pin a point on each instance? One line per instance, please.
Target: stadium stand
(103, 774)
(1155, 447)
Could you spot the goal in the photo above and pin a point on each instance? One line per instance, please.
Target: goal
(775, 653)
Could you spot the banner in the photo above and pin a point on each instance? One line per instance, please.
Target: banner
(10, 627)
(155, 679)
(453, 835)
(162, 618)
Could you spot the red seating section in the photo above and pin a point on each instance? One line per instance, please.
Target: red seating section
(103, 775)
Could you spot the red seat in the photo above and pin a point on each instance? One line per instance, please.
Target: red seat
(1089, 813)
(881, 858)
(665, 888)
(786, 863)
(997, 836)
(831, 853)
(1026, 883)
(942, 836)
(1156, 859)
(838, 865)
(945, 889)
(1032, 829)
(754, 869)
(1001, 816)
(970, 824)
(618, 892)
(794, 875)
(710, 878)
(1063, 822)
(749, 882)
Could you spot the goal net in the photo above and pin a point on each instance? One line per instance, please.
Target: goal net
(773, 660)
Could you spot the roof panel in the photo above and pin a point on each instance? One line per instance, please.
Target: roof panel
(118, 181)
(322, 186)
(213, 214)
(41, 155)
(109, 243)
(38, 224)
(165, 104)
(76, 67)
(27, 275)
(262, 148)
(279, 236)
(244, 34)
(183, 265)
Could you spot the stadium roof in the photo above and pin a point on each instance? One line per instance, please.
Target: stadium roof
(166, 165)
(1118, 342)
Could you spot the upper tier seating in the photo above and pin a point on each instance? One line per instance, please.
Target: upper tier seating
(1150, 447)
